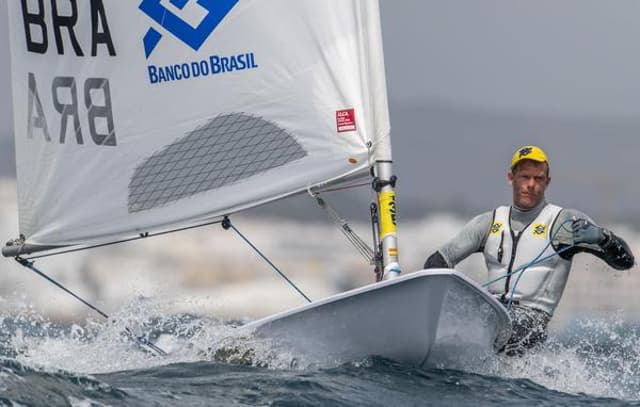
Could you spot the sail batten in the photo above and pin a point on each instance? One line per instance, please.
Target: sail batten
(132, 124)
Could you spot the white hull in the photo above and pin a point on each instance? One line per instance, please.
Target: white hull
(423, 318)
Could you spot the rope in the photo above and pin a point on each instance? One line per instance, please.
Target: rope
(140, 340)
(513, 290)
(344, 188)
(142, 236)
(525, 266)
(226, 224)
(533, 262)
(361, 246)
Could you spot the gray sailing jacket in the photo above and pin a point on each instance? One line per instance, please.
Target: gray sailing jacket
(543, 290)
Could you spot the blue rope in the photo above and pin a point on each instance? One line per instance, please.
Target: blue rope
(533, 262)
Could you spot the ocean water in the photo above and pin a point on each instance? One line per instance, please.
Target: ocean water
(594, 362)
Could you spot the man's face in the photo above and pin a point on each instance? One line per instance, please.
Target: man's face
(529, 180)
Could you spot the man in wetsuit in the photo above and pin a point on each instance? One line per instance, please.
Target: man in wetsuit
(531, 244)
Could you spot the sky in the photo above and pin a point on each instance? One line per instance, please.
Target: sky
(494, 74)
(579, 57)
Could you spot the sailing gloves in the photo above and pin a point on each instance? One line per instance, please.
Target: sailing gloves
(613, 249)
(586, 232)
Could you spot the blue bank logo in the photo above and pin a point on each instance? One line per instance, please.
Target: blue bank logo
(194, 37)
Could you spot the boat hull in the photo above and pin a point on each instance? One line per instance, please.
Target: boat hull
(423, 318)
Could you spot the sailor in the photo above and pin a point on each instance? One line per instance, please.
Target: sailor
(528, 248)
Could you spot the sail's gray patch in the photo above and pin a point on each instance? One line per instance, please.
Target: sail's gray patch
(227, 149)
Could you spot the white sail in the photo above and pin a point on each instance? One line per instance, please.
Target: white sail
(132, 116)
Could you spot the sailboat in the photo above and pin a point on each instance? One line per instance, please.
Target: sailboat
(134, 118)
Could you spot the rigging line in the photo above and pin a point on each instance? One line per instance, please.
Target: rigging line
(524, 267)
(343, 188)
(532, 263)
(536, 259)
(360, 245)
(132, 239)
(143, 342)
(348, 232)
(226, 224)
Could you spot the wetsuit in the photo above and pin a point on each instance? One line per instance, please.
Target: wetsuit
(511, 238)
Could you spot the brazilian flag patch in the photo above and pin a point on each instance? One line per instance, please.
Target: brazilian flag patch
(496, 228)
(540, 230)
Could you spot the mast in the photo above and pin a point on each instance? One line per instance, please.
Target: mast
(384, 184)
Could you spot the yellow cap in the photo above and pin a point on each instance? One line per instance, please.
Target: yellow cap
(529, 153)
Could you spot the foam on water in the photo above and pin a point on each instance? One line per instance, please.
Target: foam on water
(599, 358)
(103, 346)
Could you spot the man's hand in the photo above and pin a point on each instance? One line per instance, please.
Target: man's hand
(586, 232)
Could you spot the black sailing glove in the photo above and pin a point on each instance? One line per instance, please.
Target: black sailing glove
(586, 232)
(613, 249)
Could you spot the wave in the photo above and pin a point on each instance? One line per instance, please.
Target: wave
(45, 363)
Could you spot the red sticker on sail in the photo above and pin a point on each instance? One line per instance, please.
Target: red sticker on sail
(346, 120)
